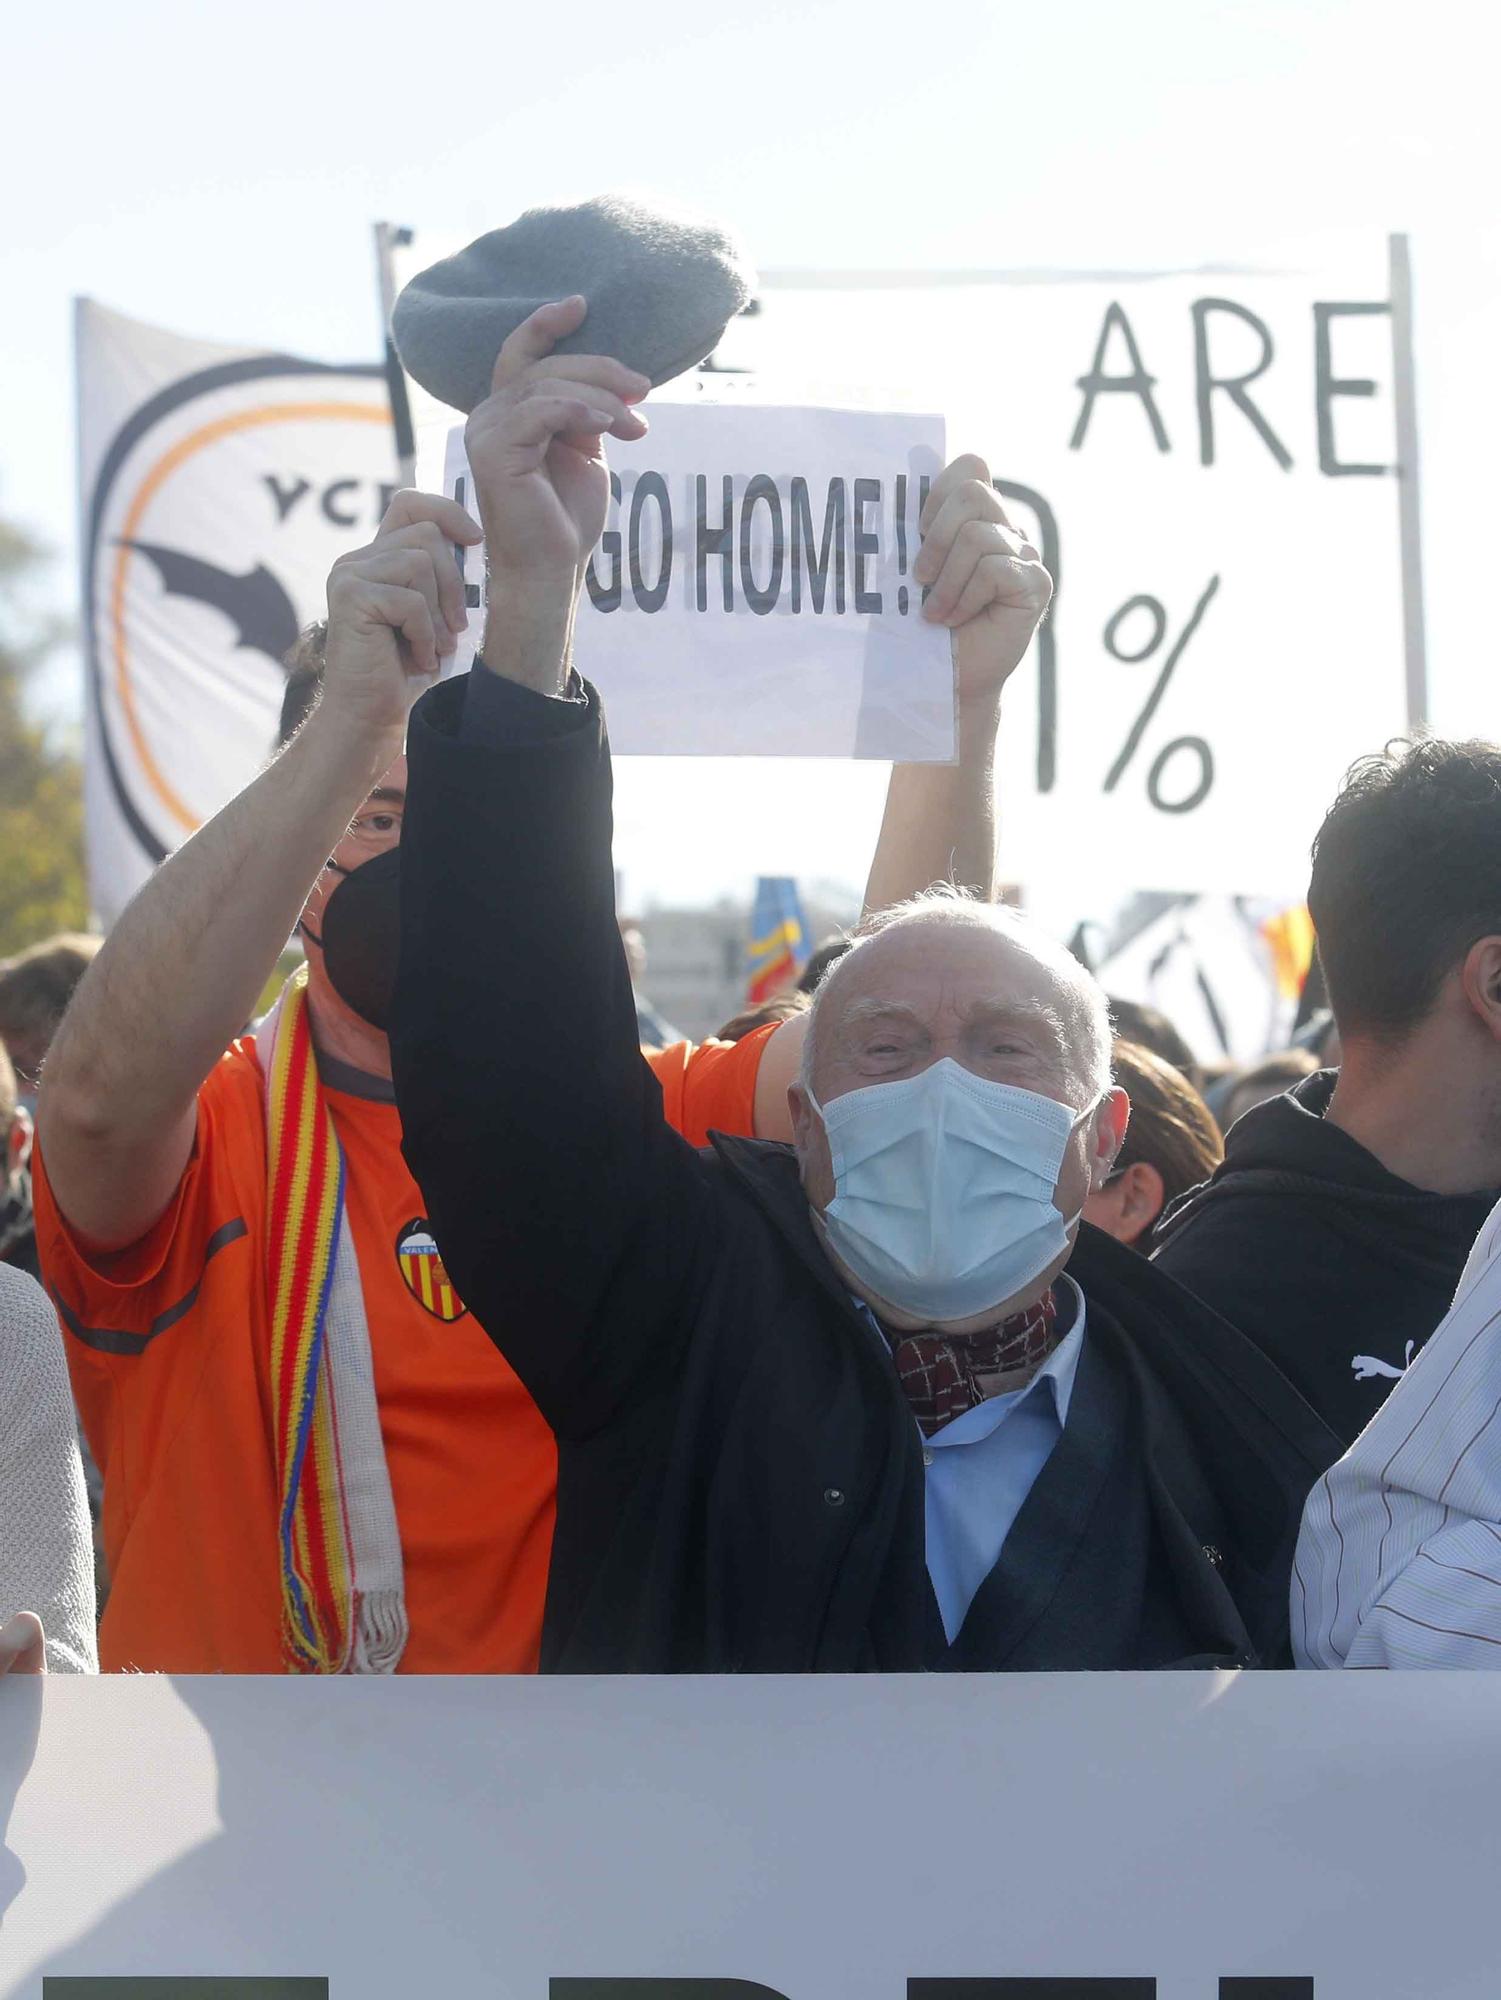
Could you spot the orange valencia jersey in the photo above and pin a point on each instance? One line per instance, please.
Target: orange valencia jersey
(168, 1344)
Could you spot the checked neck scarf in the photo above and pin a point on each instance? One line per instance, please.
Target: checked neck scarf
(942, 1375)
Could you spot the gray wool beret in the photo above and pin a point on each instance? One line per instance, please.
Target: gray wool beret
(661, 291)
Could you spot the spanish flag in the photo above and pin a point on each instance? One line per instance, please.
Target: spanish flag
(1289, 937)
(778, 947)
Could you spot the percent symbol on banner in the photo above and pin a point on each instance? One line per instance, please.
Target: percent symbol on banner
(1194, 744)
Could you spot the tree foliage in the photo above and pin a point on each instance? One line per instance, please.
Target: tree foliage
(42, 882)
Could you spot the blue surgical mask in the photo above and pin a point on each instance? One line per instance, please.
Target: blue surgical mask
(944, 1182)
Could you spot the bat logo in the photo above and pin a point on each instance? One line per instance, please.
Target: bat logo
(261, 612)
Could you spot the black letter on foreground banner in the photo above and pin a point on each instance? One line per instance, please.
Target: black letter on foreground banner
(606, 596)
(1234, 386)
(1031, 1989)
(1258, 1987)
(866, 493)
(1328, 385)
(718, 541)
(762, 489)
(659, 1989)
(650, 486)
(1137, 383)
(817, 567)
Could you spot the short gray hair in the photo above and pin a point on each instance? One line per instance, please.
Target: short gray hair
(1084, 1007)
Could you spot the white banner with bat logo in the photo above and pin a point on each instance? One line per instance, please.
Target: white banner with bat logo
(217, 486)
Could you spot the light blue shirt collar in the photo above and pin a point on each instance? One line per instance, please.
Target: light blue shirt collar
(980, 1467)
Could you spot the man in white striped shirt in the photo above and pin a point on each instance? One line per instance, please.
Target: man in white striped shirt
(1399, 1561)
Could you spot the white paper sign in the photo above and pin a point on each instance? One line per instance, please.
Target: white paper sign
(752, 592)
(869, 1837)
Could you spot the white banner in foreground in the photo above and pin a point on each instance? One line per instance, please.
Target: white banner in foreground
(217, 487)
(751, 595)
(948, 1837)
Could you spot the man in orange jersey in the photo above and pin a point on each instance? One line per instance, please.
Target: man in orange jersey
(313, 1457)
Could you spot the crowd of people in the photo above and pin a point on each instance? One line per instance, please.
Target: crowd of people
(924, 1319)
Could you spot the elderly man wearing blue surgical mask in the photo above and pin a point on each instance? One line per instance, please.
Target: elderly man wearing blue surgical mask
(954, 1113)
(873, 1400)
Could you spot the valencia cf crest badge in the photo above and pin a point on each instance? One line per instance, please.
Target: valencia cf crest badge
(422, 1270)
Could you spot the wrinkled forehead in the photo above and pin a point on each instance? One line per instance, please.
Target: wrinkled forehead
(943, 975)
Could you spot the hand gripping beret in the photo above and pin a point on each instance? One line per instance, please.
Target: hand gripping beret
(661, 291)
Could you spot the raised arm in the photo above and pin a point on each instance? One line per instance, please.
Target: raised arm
(567, 1209)
(989, 589)
(180, 973)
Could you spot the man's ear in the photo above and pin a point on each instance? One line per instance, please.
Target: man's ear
(18, 1140)
(1111, 1121)
(800, 1112)
(1480, 981)
(1143, 1197)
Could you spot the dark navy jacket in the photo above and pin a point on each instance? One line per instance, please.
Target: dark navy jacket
(740, 1479)
(1338, 1270)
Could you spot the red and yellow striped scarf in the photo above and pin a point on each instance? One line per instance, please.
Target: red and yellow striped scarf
(306, 1195)
(342, 1601)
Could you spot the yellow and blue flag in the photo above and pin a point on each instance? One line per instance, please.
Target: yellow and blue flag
(1290, 939)
(777, 949)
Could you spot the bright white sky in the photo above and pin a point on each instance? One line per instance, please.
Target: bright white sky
(216, 171)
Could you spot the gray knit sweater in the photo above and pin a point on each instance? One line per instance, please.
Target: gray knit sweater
(46, 1557)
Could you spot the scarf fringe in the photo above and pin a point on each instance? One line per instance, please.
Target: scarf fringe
(380, 1633)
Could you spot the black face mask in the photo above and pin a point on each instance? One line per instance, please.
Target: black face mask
(362, 935)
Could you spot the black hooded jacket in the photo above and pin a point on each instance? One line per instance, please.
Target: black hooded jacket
(1334, 1267)
(740, 1483)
